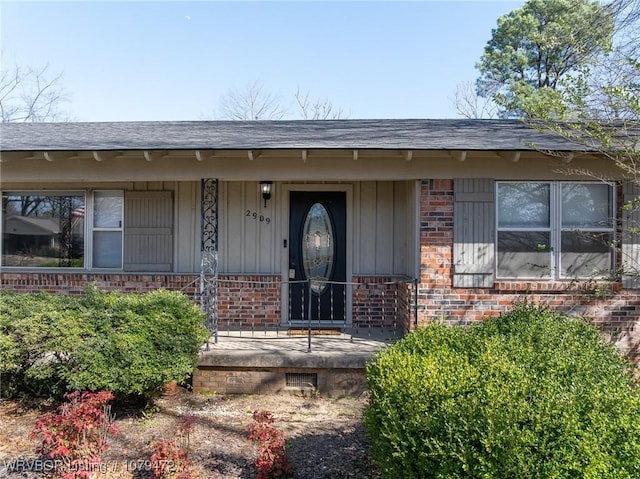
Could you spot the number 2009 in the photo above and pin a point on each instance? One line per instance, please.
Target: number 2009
(255, 216)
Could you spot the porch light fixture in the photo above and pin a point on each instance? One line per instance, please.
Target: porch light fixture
(265, 189)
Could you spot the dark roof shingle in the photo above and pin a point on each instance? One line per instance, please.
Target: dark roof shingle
(460, 134)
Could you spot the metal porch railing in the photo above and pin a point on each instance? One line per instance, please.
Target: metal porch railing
(250, 308)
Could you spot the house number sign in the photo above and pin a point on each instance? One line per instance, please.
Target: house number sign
(257, 217)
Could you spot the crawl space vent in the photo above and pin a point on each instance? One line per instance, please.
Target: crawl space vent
(302, 380)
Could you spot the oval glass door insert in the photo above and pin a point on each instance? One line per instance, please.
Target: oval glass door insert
(318, 247)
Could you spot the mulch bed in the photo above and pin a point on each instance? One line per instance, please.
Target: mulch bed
(326, 437)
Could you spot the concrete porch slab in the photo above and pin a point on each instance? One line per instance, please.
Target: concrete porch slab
(277, 349)
(245, 362)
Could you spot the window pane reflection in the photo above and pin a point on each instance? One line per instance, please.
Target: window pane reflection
(586, 205)
(43, 230)
(107, 211)
(524, 254)
(523, 205)
(585, 254)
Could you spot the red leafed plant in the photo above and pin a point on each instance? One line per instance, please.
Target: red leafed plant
(170, 457)
(75, 435)
(272, 460)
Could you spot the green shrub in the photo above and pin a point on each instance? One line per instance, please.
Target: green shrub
(36, 333)
(139, 342)
(531, 394)
(130, 344)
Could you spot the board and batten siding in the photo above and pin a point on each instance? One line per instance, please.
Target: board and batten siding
(162, 225)
(246, 245)
(474, 233)
(187, 227)
(148, 231)
(247, 229)
(383, 228)
(382, 221)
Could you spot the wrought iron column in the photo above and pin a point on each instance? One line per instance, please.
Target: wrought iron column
(66, 231)
(209, 251)
(416, 281)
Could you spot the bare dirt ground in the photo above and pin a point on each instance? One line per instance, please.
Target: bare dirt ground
(326, 438)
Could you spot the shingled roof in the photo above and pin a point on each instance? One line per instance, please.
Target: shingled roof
(460, 134)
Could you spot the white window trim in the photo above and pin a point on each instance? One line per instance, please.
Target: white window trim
(89, 217)
(555, 229)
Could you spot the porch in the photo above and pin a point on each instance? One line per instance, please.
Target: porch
(256, 350)
(326, 352)
(245, 362)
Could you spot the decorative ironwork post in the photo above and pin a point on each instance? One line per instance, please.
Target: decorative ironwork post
(66, 231)
(209, 251)
(415, 303)
(310, 289)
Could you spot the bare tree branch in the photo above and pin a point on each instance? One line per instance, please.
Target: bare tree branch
(469, 104)
(251, 102)
(319, 109)
(31, 94)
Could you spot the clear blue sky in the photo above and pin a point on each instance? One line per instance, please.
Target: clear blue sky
(174, 60)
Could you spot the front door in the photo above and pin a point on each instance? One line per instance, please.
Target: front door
(317, 256)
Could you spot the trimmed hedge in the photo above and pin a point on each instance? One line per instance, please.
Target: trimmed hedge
(531, 394)
(127, 343)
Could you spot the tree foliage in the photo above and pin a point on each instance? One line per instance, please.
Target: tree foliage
(536, 46)
(598, 107)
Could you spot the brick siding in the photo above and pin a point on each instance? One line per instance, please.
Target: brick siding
(382, 301)
(249, 301)
(244, 301)
(616, 311)
(334, 382)
(75, 283)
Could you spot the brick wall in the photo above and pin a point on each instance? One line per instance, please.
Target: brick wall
(332, 382)
(616, 311)
(382, 301)
(249, 301)
(74, 283)
(243, 300)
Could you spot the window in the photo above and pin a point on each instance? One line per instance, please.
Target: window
(554, 229)
(107, 229)
(43, 230)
